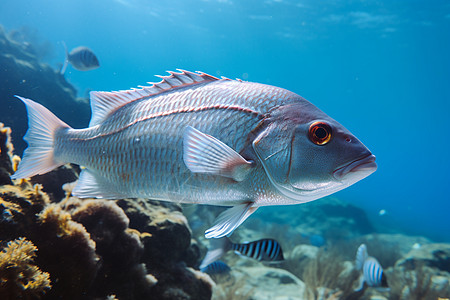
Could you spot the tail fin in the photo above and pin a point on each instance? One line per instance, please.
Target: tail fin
(66, 60)
(217, 249)
(38, 157)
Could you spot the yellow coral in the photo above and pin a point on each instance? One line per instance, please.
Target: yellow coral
(19, 278)
(54, 214)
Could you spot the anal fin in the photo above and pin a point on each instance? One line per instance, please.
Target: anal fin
(90, 185)
(230, 219)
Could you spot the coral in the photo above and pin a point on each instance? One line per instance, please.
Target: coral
(166, 237)
(19, 278)
(119, 248)
(6, 148)
(64, 242)
(160, 224)
(19, 205)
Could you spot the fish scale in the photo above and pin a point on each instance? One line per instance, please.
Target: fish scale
(164, 168)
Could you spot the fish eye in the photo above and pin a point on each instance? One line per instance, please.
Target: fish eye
(319, 133)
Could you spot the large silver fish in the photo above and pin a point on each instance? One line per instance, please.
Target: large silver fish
(194, 138)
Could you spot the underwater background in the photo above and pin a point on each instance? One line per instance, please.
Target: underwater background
(380, 68)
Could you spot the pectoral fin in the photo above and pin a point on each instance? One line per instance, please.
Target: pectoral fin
(229, 220)
(203, 153)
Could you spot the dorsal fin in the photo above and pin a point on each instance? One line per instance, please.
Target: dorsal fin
(104, 103)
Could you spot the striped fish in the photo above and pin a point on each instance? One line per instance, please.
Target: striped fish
(267, 250)
(372, 272)
(217, 267)
(81, 58)
(195, 138)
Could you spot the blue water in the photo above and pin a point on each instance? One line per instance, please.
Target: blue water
(381, 68)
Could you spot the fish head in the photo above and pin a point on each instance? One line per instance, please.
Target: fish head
(308, 155)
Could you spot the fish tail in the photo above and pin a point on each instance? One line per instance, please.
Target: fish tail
(38, 157)
(66, 60)
(217, 248)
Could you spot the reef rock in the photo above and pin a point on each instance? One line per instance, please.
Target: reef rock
(431, 255)
(23, 74)
(257, 281)
(423, 273)
(166, 237)
(329, 218)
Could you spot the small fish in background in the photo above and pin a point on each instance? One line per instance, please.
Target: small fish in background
(267, 250)
(316, 240)
(416, 246)
(81, 58)
(216, 267)
(372, 272)
(382, 212)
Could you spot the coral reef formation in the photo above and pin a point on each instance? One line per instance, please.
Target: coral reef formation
(94, 249)
(168, 247)
(23, 74)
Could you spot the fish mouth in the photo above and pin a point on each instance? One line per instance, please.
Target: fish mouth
(365, 166)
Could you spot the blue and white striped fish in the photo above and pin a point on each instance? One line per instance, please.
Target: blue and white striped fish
(217, 267)
(267, 250)
(372, 272)
(81, 58)
(195, 138)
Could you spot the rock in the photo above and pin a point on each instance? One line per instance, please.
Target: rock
(261, 282)
(422, 273)
(431, 255)
(53, 182)
(166, 237)
(422, 282)
(329, 218)
(23, 74)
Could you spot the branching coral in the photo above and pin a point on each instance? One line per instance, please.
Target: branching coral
(19, 278)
